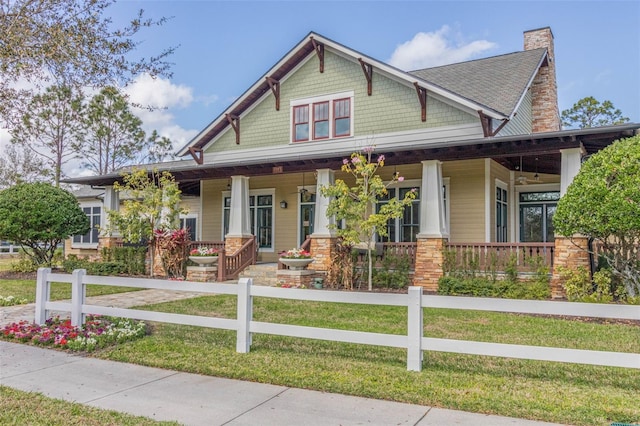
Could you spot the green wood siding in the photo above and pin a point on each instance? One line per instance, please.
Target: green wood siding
(521, 123)
(393, 107)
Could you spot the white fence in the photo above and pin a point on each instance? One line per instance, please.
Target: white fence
(414, 342)
(9, 248)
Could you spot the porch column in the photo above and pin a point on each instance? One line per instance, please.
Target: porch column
(433, 228)
(111, 202)
(324, 235)
(239, 215)
(569, 167)
(569, 253)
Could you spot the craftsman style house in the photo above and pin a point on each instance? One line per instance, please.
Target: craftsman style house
(481, 142)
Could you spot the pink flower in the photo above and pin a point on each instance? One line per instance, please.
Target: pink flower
(345, 161)
(381, 158)
(355, 160)
(400, 178)
(368, 149)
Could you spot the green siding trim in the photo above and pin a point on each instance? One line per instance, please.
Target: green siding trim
(393, 107)
(521, 123)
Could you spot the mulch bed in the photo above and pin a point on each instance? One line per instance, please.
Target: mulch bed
(11, 275)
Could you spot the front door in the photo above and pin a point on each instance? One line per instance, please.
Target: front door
(307, 211)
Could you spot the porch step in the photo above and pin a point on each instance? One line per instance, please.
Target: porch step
(262, 274)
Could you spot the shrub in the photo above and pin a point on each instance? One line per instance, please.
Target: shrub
(132, 259)
(93, 268)
(24, 265)
(394, 272)
(486, 287)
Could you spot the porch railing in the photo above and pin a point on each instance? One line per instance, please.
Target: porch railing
(389, 249)
(495, 256)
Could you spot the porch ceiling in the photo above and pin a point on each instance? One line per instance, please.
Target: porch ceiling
(540, 153)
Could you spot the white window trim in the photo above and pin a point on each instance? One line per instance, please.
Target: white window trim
(312, 190)
(256, 192)
(317, 99)
(502, 185)
(90, 204)
(185, 216)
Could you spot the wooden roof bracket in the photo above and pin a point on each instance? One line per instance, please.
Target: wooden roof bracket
(486, 122)
(234, 121)
(319, 48)
(275, 88)
(422, 97)
(197, 154)
(368, 74)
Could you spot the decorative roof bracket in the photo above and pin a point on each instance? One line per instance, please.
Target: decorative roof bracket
(486, 122)
(368, 74)
(422, 97)
(275, 88)
(197, 154)
(234, 121)
(319, 48)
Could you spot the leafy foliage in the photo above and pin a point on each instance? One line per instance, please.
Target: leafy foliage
(39, 216)
(19, 166)
(356, 205)
(588, 112)
(603, 203)
(73, 42)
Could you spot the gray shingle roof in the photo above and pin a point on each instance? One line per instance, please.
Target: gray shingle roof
(498, 82)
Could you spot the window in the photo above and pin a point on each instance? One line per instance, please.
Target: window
(261, 217)
(406, 227)
(301, 123)
(501, 215)
(190, 223)
(91, 237)
(536, 216)
(330, 117)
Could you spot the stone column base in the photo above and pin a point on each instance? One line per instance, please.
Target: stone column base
(233, 244)
(429, 260)
(202, 273)
(107, 242)
(322, 250)
(569, 253)
(297, 279)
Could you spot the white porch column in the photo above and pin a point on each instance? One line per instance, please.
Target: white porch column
(569, 168)
(239, 215)
(321, 223)
(432, 219)
(111, 202)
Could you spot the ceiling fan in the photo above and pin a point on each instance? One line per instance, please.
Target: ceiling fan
(523, 180)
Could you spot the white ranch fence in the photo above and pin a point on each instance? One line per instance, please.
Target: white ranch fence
(414, 342)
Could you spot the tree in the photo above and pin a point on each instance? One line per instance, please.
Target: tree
(69, 42)
(160, 149)
(51, 127)
(152, 205)
(21, 166)
(38, 217)
(113, 136)
(588, 112)
(357, 205)
(603, 203)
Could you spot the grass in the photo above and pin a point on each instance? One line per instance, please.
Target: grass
(28, 408)
(5, 263)
(556, 392)
(26, 289)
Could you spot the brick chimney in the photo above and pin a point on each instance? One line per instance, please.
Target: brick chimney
(544, 90)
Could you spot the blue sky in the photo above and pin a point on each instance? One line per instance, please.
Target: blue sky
(225, 46)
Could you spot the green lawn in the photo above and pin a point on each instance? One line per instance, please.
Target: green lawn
(26, 289)
(28, 408)
(556, 392)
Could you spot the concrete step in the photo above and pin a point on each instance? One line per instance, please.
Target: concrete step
(261, 273)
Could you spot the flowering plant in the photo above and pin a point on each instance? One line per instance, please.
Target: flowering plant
(203, 251)
(295, 253)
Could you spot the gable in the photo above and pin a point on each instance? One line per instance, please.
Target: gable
(393, 106)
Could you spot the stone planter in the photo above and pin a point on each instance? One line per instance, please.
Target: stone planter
(204, 260)
(296, 264)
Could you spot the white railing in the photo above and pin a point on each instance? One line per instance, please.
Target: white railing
(9, 249)
(415, 342)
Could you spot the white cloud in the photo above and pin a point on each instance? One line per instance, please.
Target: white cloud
(436, 48)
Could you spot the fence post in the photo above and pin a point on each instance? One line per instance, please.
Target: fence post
(414, 329)
(77, 297)
(42, 295)
(245, 315)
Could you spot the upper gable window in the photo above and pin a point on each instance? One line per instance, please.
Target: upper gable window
(322, 117)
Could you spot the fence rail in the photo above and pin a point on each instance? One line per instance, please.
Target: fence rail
(414, 341)
(496, 256)
(9, 249)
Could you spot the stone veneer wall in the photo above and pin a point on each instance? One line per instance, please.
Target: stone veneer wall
(569, 253)
(233, 244)
(322, 249)
(429, 260)
(544, 90)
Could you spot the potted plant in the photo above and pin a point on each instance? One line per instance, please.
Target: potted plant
(296, 259)
(204, 256)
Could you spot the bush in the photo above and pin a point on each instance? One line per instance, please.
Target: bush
(24, 265)
(93, 268)
(394, 272)
(485, 287)
(132, 259)
(579, 287)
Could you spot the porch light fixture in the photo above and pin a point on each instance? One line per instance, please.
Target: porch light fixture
(283, 204)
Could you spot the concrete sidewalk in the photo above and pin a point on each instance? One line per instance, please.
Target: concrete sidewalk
(192, 399)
